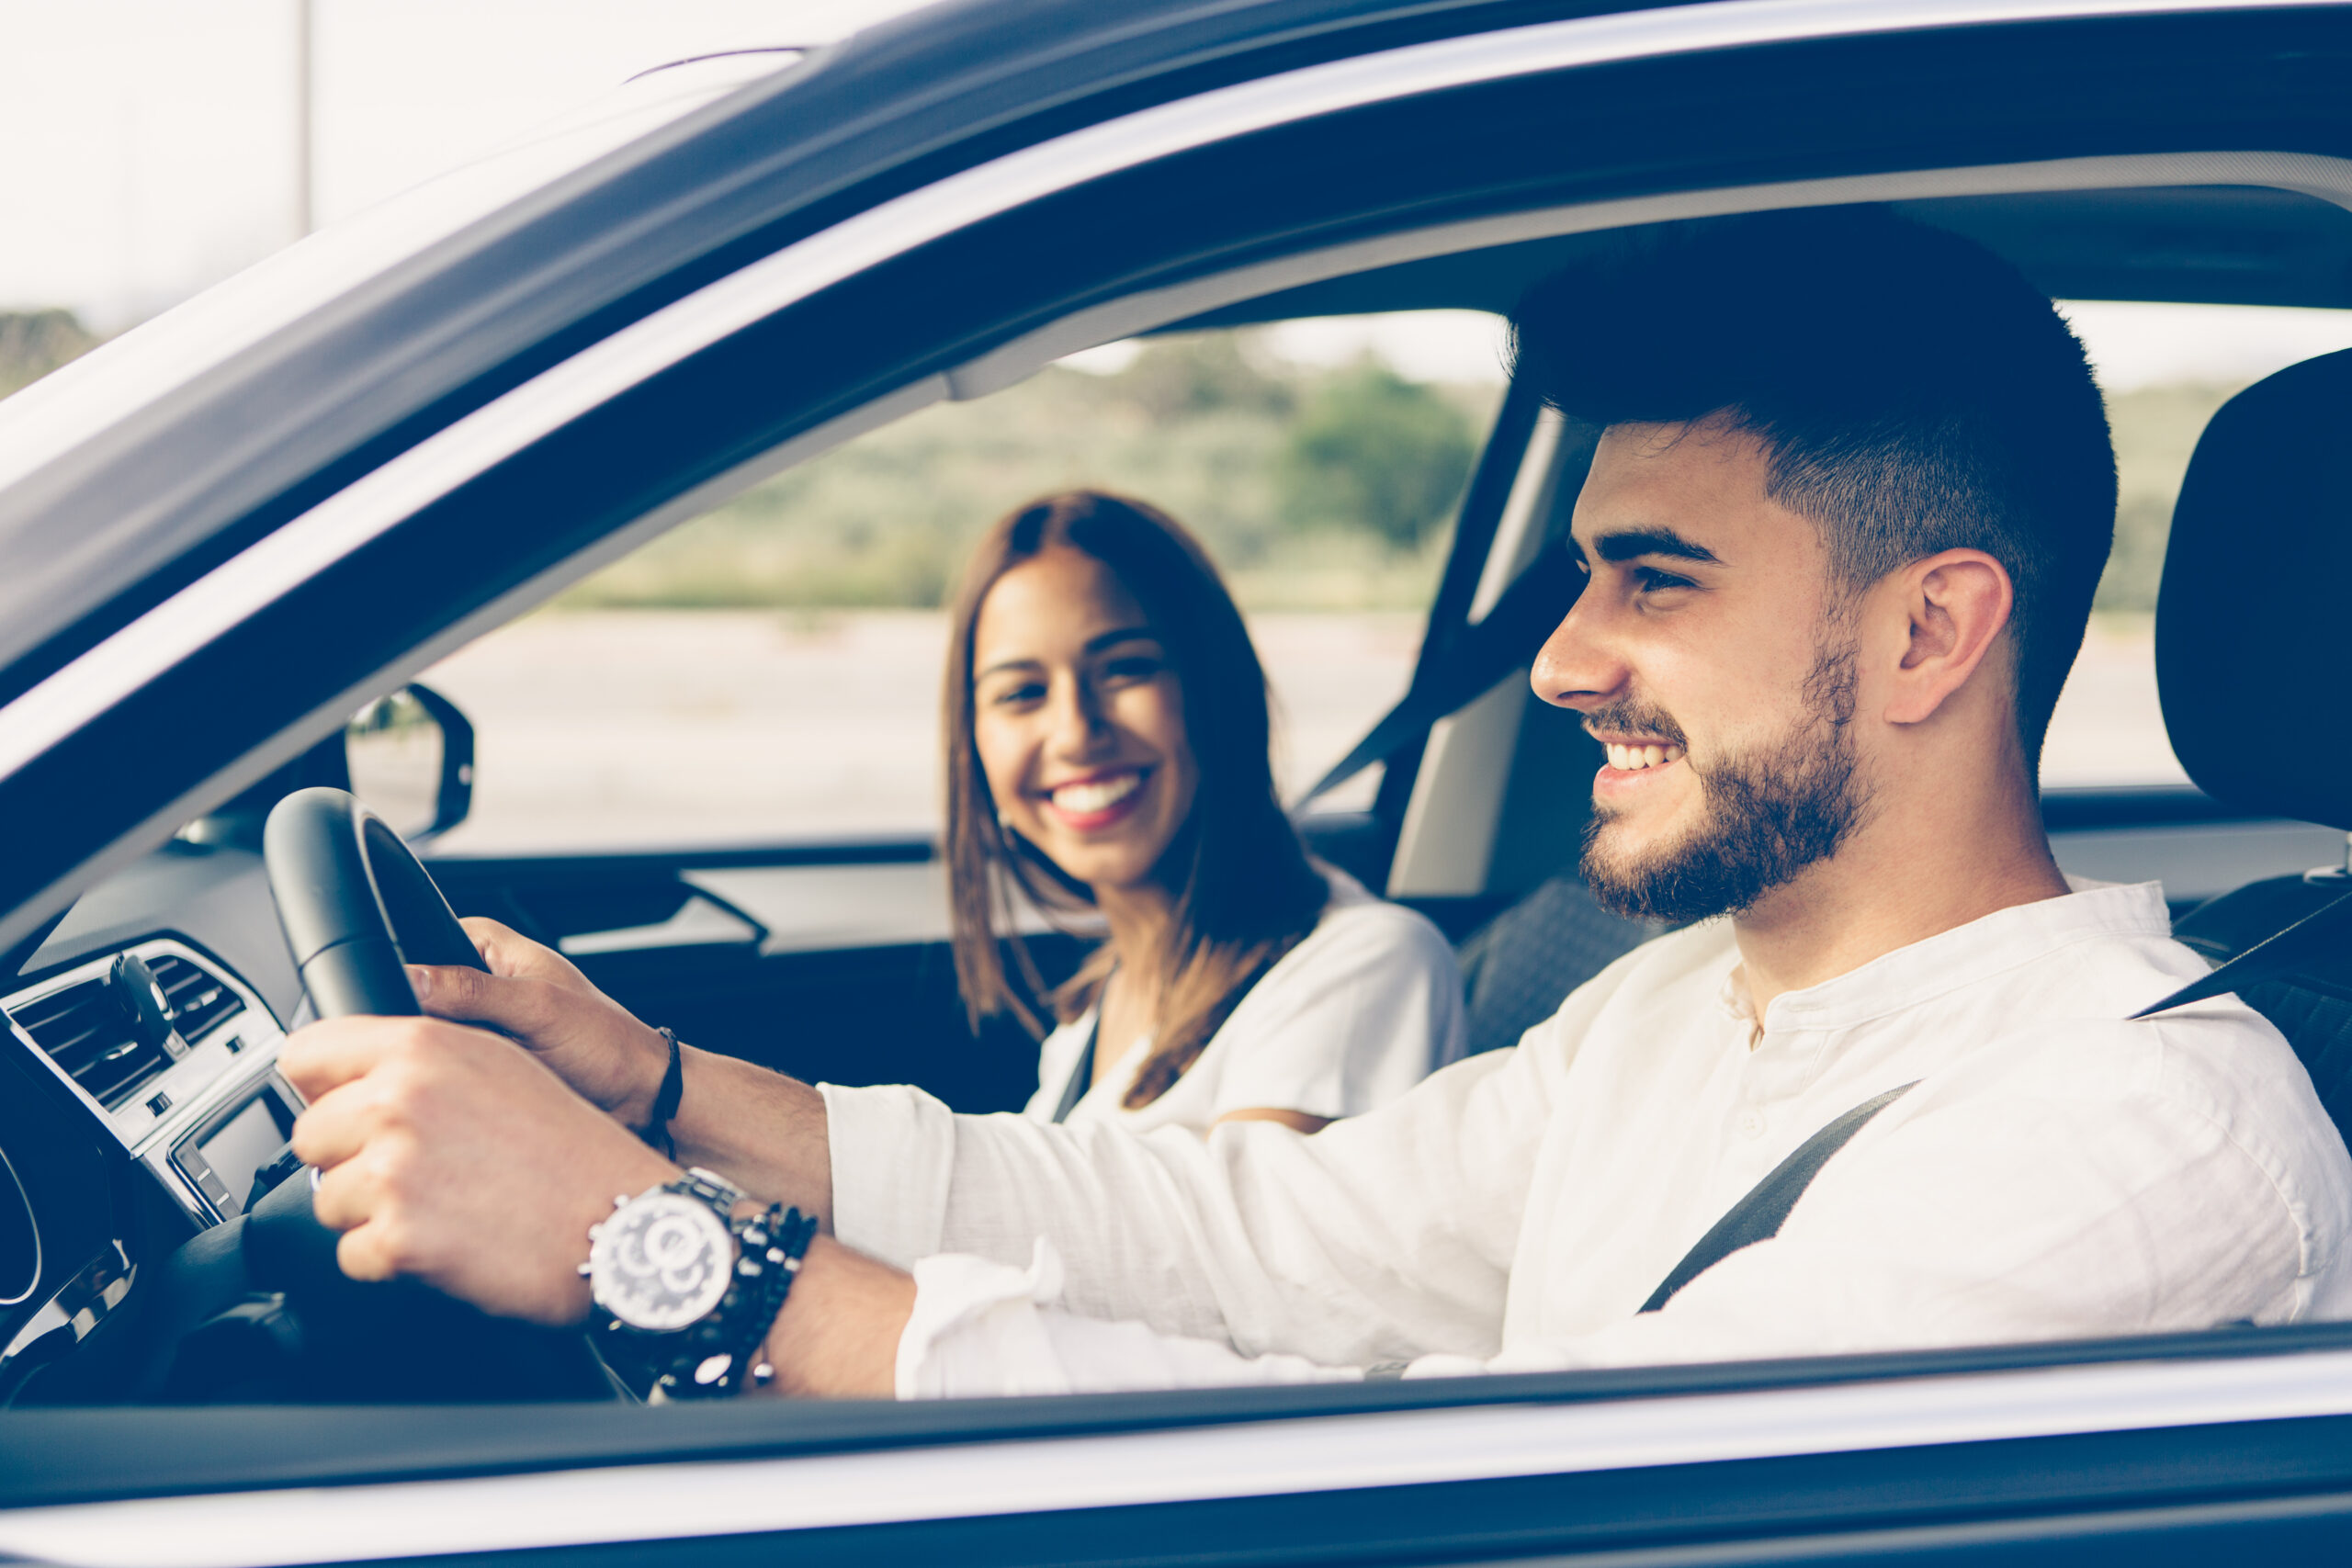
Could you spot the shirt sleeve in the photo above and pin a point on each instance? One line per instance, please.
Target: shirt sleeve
(1370, 1007)
(1376, 1239)
(982, 1328)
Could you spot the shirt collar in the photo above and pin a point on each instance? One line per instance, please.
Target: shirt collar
(1966, 954)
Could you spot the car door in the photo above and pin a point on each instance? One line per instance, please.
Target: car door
(2198, 1444)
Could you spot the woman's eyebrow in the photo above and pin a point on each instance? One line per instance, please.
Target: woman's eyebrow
(1096, 643)
(1631, 544)
(1001, 665)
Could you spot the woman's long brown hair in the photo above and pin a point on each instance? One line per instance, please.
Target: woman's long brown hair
(1244, 893)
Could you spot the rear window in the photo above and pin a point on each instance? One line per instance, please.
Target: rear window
(2166, 369)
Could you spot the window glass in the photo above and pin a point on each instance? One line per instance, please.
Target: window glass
(2164, 368)
(770, 670)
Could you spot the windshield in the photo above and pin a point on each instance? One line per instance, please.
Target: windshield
(72, 404)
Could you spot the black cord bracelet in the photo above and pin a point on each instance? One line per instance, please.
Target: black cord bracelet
(665, 1099)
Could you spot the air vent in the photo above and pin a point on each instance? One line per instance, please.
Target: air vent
(87, 1031)
(195, 1000)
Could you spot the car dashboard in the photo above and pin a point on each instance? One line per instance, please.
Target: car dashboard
(139, 1107)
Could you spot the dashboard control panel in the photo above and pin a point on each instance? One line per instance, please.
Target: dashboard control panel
(175, 1055)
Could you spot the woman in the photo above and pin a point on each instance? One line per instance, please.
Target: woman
(1107, 755)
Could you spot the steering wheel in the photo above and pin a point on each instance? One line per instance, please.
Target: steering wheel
(355, 906)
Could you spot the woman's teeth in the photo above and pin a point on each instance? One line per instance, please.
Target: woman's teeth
(1632, 759)
(1096, 794)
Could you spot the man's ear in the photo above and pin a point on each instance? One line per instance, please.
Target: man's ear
(1957, 605)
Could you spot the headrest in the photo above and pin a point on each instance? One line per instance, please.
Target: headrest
(2254, 622)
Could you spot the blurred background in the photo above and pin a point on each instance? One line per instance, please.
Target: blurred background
(771, 668)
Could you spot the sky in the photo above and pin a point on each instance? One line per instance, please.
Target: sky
(148, 149)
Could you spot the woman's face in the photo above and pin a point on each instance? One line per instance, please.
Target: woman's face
(1078, 720)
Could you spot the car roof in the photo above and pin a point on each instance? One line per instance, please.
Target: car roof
(2185, 245)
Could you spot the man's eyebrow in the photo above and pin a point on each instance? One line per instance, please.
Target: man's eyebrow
(1631, 544)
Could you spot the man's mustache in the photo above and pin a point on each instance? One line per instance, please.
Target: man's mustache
(1633, 718)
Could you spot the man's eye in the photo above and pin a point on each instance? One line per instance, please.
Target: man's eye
(1652, 580)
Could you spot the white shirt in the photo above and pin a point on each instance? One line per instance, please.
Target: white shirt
(2058, 1171)
(1367, 1005)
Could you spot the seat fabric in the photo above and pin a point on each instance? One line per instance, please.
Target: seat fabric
(1519, 966)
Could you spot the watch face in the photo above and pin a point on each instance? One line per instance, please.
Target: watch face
(660, 1262)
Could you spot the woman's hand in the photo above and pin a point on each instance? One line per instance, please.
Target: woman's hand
(534, 995)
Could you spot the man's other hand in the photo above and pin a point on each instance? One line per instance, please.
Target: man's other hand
(534, 995)
(451, 1155)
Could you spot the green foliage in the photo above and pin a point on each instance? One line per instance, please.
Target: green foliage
(1375, 451)
(34, 343)
(1202, 425)
(1329, 490)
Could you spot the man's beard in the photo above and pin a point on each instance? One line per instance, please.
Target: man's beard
(1769, 812)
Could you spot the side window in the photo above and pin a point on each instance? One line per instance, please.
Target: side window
(2164, 368)
(769, 671)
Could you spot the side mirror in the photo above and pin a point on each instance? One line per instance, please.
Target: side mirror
(410, 757)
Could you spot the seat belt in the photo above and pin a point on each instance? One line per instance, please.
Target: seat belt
(1759, 1215)
(2318, 934)
(1081, 1077)
(1509, 637)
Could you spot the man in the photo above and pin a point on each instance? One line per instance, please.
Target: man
(1841, 533)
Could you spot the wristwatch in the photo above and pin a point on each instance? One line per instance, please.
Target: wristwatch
(686, 1292)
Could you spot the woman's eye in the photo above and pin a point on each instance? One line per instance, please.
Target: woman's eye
(1133, 667)
(1017, 696)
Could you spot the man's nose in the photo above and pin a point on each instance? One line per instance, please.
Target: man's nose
(1579, 666)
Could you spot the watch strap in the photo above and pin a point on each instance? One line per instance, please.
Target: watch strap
(720, 1355)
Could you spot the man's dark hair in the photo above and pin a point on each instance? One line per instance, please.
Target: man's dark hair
(1915, 392)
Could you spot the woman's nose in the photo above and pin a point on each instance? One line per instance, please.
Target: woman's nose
(1079, 723)
(1580, 665)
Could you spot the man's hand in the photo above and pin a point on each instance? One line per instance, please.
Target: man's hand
(534, 995)
(451, 1155)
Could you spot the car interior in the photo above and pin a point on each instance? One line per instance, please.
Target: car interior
(144, 1132)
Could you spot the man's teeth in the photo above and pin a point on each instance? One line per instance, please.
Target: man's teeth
(1084, 799)
(1634, 757)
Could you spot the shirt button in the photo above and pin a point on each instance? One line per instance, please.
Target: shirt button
(1752, 1123)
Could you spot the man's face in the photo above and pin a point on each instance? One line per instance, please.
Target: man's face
(1707, 655)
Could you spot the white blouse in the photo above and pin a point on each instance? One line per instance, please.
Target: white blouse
(1366, 1005)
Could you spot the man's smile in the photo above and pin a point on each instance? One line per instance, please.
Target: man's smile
(1638, 756)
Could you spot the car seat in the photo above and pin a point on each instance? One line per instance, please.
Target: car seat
(1519, 966)
(2251, 664)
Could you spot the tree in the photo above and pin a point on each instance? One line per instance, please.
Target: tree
(1374, 451)
(1196, 373)
(34, 343)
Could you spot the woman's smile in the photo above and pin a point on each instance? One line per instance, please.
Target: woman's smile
(1097, 800)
